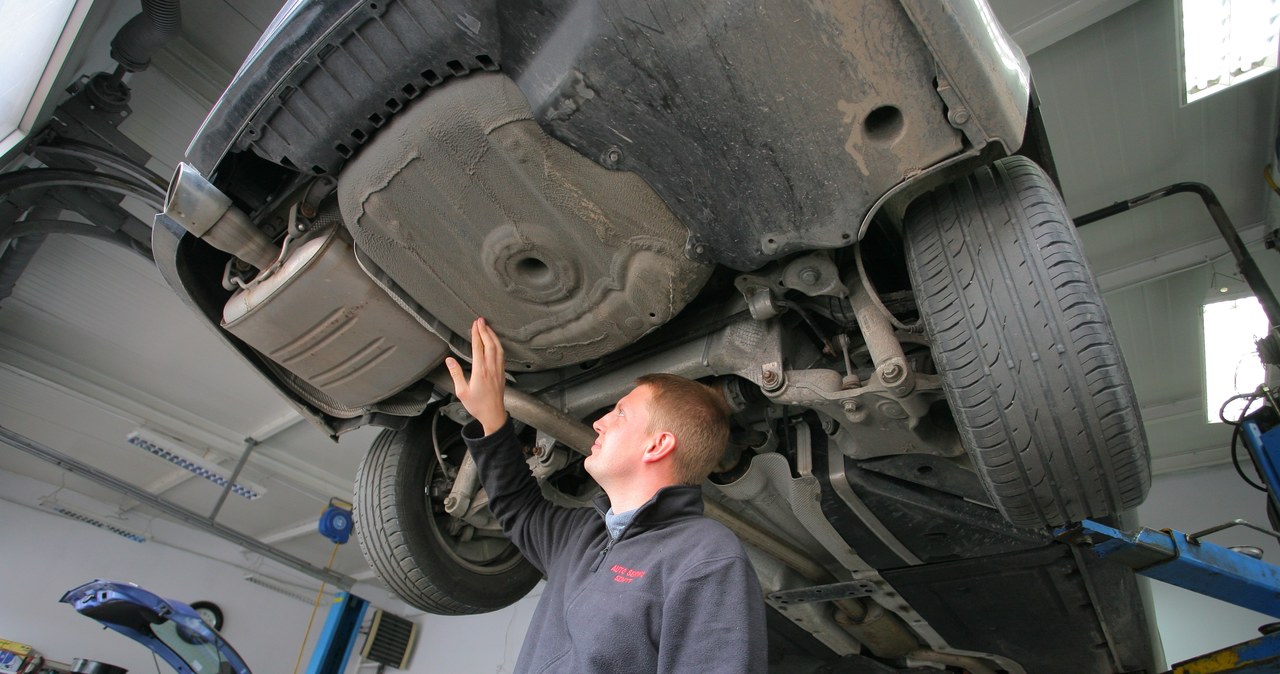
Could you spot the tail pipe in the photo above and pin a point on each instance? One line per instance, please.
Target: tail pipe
(206, 212)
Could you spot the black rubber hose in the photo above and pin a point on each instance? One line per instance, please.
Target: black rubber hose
(45, 178)
(106, 159)
(32, 229)
(133, 46)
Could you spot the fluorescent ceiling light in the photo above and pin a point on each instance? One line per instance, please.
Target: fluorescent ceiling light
(37, 37)
(97, 522)
(1226, 42)
(1231, 363)
(182, 455)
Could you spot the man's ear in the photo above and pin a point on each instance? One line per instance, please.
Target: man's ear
(662, 446)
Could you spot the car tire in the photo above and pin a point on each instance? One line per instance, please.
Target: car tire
(1025, 348)
(403, 530)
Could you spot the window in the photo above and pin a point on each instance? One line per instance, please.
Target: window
(1225, 42)
(1231, 363)
(36, 39)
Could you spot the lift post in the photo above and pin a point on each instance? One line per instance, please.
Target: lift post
(333, 647)
(1264, 448)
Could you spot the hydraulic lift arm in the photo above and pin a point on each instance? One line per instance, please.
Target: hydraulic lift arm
(1193, 563)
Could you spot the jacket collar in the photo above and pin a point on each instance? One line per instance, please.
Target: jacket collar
(667, 505)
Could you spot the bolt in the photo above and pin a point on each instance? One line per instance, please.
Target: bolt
(450, 502)
(613, 156)
(771, 376)
(891, 372)
(959, 116)
(810, 276)
(853, 410)
(700, 249)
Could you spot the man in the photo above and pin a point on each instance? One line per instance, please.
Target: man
(645, 583)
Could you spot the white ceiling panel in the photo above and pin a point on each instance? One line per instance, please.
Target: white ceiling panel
(225, 30)
(1110, 102)
(98, 307)
(1036, 24)
(165, 117)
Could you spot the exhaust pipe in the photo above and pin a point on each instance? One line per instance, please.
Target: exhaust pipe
(208, 214)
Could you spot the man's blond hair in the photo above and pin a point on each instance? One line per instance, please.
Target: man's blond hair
(697, 415)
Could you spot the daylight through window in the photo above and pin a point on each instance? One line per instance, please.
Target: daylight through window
(1231, 363)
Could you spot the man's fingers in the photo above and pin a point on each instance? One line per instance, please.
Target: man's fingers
(477, 346)
(492, 346)
(481, 394)
(455, 372)
(498, 354)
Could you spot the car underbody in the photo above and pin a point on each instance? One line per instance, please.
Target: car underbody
(814, 207)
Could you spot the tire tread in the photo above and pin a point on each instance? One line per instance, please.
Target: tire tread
(1025, 348)
(400, 551)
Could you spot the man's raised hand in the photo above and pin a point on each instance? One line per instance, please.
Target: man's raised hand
(482, 394)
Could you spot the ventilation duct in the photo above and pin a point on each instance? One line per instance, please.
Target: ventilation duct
(390, 640)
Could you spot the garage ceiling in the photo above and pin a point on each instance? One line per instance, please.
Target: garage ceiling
(93, 343)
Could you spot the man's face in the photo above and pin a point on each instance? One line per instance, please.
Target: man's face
(621, 437)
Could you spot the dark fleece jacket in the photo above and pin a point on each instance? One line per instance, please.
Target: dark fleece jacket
(674, 593)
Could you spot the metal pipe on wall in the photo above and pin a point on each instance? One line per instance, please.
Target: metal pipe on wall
(1244, 261)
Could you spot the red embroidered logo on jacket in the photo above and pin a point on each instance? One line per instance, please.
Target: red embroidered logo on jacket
(625, 575)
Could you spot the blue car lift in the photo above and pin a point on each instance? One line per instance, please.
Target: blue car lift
(333, 647)
(1192, 563)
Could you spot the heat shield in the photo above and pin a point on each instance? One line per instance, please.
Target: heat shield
(470, 209)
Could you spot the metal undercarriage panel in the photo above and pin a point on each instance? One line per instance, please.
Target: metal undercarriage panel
(567, 260)
(820, 107)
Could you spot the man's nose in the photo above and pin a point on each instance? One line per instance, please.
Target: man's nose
(600, 423)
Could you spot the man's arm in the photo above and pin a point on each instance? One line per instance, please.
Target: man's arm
(536, 526)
